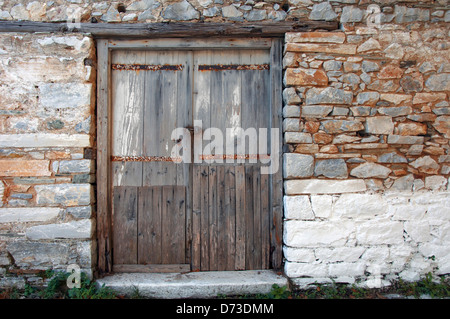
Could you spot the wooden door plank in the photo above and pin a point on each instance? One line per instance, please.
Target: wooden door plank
(196, 217)
(173, 224)
(204, 217)
(240, 218)
(213, 229)
(104, 187)
(230, 217)
(152, 120)
(184, 120)
(276, 176)
(221, 220)
(128, 96)
(265, 222)
(249, 209)
(125, 225)
(149, 226)
(257, 254)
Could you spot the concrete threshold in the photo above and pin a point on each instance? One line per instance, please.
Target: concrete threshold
(194, 284)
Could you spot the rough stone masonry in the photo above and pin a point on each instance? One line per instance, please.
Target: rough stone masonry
(366, 112)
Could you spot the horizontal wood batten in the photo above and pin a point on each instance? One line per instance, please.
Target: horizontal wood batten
(196, 29)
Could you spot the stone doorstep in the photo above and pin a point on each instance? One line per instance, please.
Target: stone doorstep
(194, 284)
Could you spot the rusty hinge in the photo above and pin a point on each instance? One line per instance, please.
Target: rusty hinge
(147, 67)
(146, 159)
(238, 67)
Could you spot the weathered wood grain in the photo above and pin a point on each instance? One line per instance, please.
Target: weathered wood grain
(172, 29)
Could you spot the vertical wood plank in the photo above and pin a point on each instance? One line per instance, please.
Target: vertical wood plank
(265, 222)
(257, 254)
(173, 225)
(128, 96)
(277, 181)
(149, 226)
(240, 218)
(152, 119)
(104, 207)
(221, 220)
(179, 225)
(249, 211)
(213, 229)
(230, 217)
(184, 119)
(125, 225)
(196, 218)
(204, 217)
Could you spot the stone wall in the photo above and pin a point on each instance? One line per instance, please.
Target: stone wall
(366, 135)
(366, 168)
(47, 88)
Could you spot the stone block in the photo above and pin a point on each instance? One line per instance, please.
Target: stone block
(290, 96)
(340, 126)
(391, 158)
(370, 170)
(420, 98)
(80, 212)
(297, 165)
(396, 98)
(332, 168)
(64, 194)
(303, 255)
(293, 269)
(322, 48)
(369, 45)
(379, 233)
(316, 110)
(359, 206)
(435, 182)
(24, 168)
(438, 82)
(319, 186)
(317, 233)
(38, 255)
(398, 139)
(315, 37)
(322, 205)
(65, 95)
(181, 11)
(368, 98)
(351, 14)
(291, 111)
(328, 95)
(339, 254)
(76, 166)
(82, 229)
(303, 77)
(297, 137)
(27, 214)
(412, 129)
(442, 125)
(426, 164)
(345, 269)
(44, 140)
(298, 207)
(379, 125)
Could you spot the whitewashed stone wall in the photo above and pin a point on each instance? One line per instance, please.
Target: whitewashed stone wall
(366, 238)
(366, 133)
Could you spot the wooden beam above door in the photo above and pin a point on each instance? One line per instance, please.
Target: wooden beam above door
(178, 29)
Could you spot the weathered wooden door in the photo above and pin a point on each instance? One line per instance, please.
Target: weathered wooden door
(215, 210)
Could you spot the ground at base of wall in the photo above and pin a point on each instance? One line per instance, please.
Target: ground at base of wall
(427, 288)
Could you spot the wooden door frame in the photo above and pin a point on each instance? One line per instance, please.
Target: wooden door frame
(104, 185)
